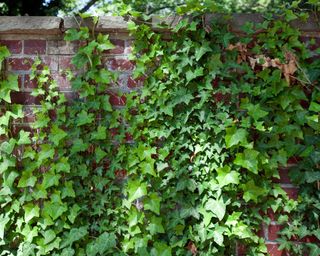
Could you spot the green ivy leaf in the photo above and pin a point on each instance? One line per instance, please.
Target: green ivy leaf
(30, 211)
(152, 203)
(155, 225)
(248, 159)
(235, 136)
(217, 207)
(226, 177)
(56, 135)
(104, 243)
(252, 192)
(136, 190)
(100, 134)
(84, 118)
(24, 138)
(74, 235)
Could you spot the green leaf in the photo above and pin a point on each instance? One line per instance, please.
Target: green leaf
(190, 75)
(47, 152)
(155, 225)
(30, 211)
(56, 135)
(161, 249)
(49, 235)
(136, 190)
(200, 51)
(78, 146)
(314, 107)
(100, 134)
(104, 243)
(100, 154)
(84, 118)
(3, 222)
(226, 177)
(74, 235)
(217, 207)
(248, 159)
(252, 192)
(235, 136)
(152, 203)
(24, 138)
(148, 167)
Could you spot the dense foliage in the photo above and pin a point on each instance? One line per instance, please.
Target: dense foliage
(217, 116)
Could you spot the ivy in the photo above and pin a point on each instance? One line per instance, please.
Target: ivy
(219, 114)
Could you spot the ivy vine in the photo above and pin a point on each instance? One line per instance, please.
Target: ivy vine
(217, 117)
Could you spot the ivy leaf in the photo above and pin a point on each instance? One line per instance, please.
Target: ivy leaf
(252, 192)
(3, 222)
(217, 207)
(148, 167)
(49, 235)
(225, 177)
(84, 118)
(56, 135)
(255, 111)
(100, 134)
(235, 136)
(190, 75)
(136, 190)
(200, 51)
(152, 203)
(161, 249)
(314, 107)
(78, 146)
(24, 138)
(101, 245)
(30, 211)
(248, 159)
(155, 225)
(100, 154)
(47, 152)
(75, 234)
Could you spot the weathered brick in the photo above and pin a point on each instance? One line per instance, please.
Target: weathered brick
(19, 63)
(24, 98)
(117, 100)
(284, 176)
(119, 47)
(65, 63)
(29, 83)
(133, 83)
(51, 62)
(62, 81)
(35, 46)
(274, 251)
(120, 64)
(57, 47)
(14, 46)
(292, 192)
(272, 232)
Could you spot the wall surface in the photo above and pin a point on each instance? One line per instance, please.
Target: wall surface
(31, 37)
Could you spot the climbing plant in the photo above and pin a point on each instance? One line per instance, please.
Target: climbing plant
(217, 116)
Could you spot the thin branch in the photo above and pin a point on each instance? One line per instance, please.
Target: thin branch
(88, 6)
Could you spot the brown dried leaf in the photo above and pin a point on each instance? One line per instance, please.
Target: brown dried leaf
(192, 248)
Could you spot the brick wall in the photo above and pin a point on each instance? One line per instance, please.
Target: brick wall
(31, 37)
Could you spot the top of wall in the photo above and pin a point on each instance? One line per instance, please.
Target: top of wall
(55, 25)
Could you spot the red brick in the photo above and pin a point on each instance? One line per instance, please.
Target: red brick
(65, 63)
(14, 46)
(62, 81)
(50, 61)
(35, 46)
(241, 249)
(133, 83)
(19, 63)
(24, 98)
(292, 192)
(116, 100)
(284, 176)
(274, 251)
(120, 64)
(29, 116)
(29, 84)
(272, 232)
(119, 47)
